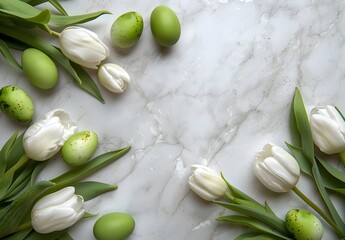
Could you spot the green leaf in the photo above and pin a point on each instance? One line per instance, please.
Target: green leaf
(294, 133)
(255, 225)
(76, 174)
(58, 7)
(20, 235)
(336, 173)
(89, 215)
(5, 152)
(7, 178)
(255, 236)
(326, 198)
(65, 236)
(5, 51)
(87, 82)
(13, 214)
(21, 10)
(63, 21)
(263, 216)
(90, 189)
(303, 162)
(302, 123)
(48, 236)
(17, 151)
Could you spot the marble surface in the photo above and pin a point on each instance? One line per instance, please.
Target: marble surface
(215, 98)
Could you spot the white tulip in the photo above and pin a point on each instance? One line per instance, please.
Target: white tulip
(206, 183)
(83, 47)
(328, 129)
(45, 138)
(276, 168)
(57, 211)
(113, 77)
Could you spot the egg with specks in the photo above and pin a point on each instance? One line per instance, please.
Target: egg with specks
(303, 225)
(16, 103)
(39, 68)
(165, 26)
(79, 148)
(114, 226)
(126, 30)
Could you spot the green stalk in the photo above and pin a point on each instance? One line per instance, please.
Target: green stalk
(317, 209)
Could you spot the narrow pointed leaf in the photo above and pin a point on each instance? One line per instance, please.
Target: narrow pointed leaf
(63, 21)
(303, 162)
(302, 123)
(48, 236)
(255, 225)
(20, 235)
(65, 236)
(255, 236)
(336, 173)
(90, 189)
(75, 175)
(5, 151)
(5, 51)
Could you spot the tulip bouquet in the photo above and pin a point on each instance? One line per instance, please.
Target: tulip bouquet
(44, 209)
(79, 47)
(280, 171)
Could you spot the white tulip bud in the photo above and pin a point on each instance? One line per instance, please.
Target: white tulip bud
(83, 47)
(57, 211)
(276, 168)
(113, 77)
(45, 138)
(206, 183)
(328, 129)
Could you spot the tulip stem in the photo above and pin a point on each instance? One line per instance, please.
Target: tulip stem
(316, 208)
(229, 196)
(342, 157)
(57, 34)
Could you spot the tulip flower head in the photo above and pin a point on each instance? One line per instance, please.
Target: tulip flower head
(83, 47)
(57, 211)
(44, 139)
(113, 77)
(207, 183)
(328, 129)
(276, 168)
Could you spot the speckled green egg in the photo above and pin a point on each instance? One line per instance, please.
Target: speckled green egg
(114, 226)
(303, 225)
(126, 30)
(39, 68)
(16, 103)
(79, 148)
(165, 26)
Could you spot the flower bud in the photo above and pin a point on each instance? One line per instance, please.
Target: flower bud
(83, 47)
(57, 211)
(113, 77)
(206, 183)
(276, 168)
(45, 138)
(328, 129)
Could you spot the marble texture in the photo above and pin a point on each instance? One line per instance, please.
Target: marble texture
(215, 98)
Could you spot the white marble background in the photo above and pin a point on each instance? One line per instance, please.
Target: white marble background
(214, 98)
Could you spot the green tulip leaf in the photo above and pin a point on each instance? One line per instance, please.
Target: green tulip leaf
(24, 11)
(5, 51)
(48, 236)
(303, 162)
(90, 189)
(20, 235)
(302, 123)
(263, 216)
(255, 225)
(17, 151)
(63, 21)
(255, 236)
(336, 173)
(294, 133)
(340, 225)
(87, 83)
(54, 3)
(5, 152)
(76, 174)
(12, 215)
(65, 236)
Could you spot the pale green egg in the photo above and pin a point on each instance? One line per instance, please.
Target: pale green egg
(165, 26)
(16, 103)
(126, 30)
(79, 148)
(39, 68)
(114, 226)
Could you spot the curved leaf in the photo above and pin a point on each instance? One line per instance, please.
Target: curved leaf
(90, 189)
(5, 51)
(59, 20)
